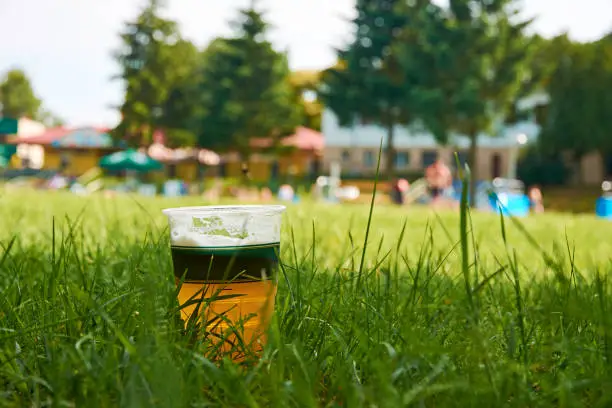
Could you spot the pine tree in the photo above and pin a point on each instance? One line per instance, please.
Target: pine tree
(178, 116)
(482, 61)
(368, 85)
(151, 68)
(245, 89)
(305, 85)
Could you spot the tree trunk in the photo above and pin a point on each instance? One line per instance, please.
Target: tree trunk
(606, 164)
(244, 168)
(390, 156)
(473, 168)
(201, 176)
(577, 175)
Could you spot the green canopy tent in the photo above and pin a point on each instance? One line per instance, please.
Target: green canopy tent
(8, 126)
(6, 152)
(131, 160)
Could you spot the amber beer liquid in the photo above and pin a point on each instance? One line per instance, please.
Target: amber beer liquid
(227, 258)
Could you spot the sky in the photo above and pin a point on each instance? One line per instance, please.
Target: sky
(65, 46)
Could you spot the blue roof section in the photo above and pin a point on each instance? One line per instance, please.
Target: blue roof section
(85, 137)
(369, 136)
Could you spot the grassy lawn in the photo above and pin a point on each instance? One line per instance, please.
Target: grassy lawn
(437, 316)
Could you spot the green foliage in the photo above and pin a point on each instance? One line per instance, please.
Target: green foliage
(455, 68)
(155, 66)
(49, 119)
(244, 89)
(482, 60)
(486, 57)
(88, 310)
(305, 85)
(545, 59)
(580, 108)
(536, 167)
(17, 98)
(368, 85)
(179, 110)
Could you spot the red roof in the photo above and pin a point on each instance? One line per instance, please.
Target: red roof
(53, 134)
(49, 136)
(303, 139)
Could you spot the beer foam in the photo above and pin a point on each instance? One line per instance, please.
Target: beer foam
(224, 226)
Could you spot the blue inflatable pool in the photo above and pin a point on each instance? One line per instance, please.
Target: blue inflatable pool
(603, 207)
(515, 205)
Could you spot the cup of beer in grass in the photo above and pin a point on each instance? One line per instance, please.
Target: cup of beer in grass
(225, 259)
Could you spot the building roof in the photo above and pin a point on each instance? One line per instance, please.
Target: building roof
(45, 138)
(70, 137)
(369, 136)
(164, 154)
(304, 139)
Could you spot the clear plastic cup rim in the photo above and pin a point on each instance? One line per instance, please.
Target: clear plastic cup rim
(226, 209)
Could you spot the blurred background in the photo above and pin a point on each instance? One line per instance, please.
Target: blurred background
(257, 99)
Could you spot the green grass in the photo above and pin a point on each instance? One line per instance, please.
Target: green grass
(435, 315)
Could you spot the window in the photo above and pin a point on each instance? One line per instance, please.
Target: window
(274, 170)
(65, 160)
(171, 171)
(496, 162)
(368, 159)
(429, 157)
(401, 160)
(346, 156)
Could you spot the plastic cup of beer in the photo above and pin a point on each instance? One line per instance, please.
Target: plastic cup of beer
(226, 258)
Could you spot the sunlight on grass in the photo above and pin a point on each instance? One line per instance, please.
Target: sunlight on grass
(87, 310)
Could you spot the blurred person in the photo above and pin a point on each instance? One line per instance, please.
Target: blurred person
(252, 194)
(246, 173)
(536, 200)
(266, 194)
(399, 188)
(213, 194)
(286, 193)
(439, 178)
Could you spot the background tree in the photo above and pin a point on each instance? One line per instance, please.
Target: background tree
(541, 66)
(603, 52)
(17, 98)
(245, 90)
(178, 116)
(482, 60)
(579, 119)
(48, 118)
(305, 85)
(367, 86)
(152, 69)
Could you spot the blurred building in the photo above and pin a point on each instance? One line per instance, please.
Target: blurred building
(74, 151)
(593, 169)
(298, 155)
(30, 156)
(356, 148)
(187, 164)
